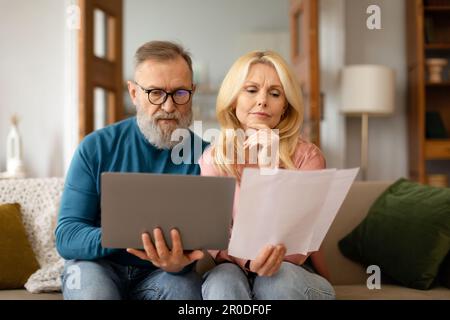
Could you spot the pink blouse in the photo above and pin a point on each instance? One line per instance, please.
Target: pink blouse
(307, 156)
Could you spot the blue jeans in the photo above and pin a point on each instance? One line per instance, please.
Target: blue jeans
(106, 280)
(227, 281)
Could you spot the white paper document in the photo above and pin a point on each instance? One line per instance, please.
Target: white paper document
(295, 208)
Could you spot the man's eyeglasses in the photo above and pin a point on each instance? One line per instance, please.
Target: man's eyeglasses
(159, 96)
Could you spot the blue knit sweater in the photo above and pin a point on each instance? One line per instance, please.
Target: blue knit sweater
(120, 147)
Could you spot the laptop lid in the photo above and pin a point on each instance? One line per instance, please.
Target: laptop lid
(200, 207)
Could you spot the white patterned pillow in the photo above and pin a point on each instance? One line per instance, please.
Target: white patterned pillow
(39, 200)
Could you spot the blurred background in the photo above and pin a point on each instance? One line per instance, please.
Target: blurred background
(46, 80)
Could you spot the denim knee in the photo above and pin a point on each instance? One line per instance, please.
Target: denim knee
(293, 282)
(226, 281)
(166, 286)
(89, 280)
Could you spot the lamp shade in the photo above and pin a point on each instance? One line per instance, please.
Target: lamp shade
(367, 89)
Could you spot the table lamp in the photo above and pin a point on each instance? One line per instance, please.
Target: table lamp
(367, 90)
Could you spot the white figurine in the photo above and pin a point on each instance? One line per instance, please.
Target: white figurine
(14, 163)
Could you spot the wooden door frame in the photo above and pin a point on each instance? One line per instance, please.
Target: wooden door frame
(95, 72)
(306, 61)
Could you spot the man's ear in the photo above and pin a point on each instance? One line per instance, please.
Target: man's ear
(194, 87)
(132, 91)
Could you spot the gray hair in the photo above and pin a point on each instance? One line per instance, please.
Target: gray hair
(161, 51)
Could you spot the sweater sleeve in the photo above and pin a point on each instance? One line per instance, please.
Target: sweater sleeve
(309, 157)
(78, 232)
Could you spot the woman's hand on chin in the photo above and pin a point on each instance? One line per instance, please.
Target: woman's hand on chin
(267, 142)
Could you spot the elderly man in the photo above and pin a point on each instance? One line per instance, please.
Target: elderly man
(162, 93)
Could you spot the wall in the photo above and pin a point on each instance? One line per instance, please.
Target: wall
(387, 135)
(32, 81)
(37, 74)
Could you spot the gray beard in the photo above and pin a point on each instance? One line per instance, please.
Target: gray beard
(161, 138)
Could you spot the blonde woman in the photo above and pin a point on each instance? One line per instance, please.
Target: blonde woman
(260, 93)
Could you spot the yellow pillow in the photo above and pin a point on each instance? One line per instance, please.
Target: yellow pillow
(17, 260)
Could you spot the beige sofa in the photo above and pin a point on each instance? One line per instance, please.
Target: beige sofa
(349, 278)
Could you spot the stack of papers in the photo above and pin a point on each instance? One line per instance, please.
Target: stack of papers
(290, 207)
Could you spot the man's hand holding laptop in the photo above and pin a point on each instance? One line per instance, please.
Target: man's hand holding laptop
(161, 256)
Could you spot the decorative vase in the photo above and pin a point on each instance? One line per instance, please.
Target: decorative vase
(14, 163)
(435, 67)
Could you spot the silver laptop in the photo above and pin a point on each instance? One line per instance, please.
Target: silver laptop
(133, 203)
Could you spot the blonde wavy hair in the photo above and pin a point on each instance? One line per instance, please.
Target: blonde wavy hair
(289, 126)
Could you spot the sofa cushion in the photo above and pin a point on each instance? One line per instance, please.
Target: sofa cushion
(389, 292)
(406, 233)
(26, 295)
(39, 202)
(17, 260)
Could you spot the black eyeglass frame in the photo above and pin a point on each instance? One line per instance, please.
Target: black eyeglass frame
(167, 94)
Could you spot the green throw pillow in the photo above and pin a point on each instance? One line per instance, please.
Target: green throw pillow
(17, 260)
(406, 233)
